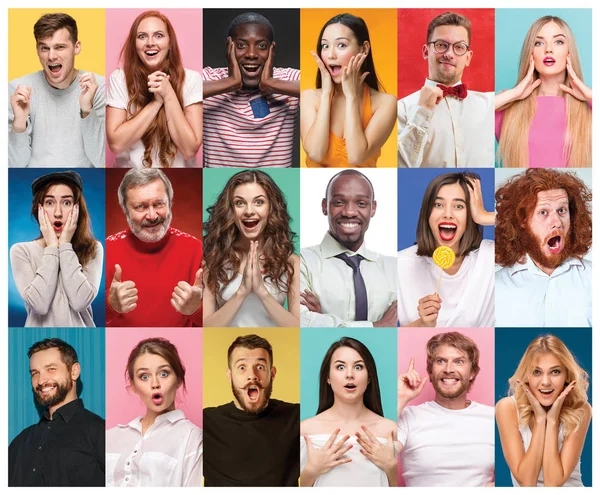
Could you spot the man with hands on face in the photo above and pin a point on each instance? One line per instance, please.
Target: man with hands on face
(56, 115)
(153, 270)
(443, 124)
(342, 283)
(448, 441)
(251, 106)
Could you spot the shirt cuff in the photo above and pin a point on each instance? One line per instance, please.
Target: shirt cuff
(67, 246)
(422, 117)
(196, 318)
(51, 250)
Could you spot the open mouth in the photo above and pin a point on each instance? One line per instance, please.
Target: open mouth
(157, 399)
(253, 393)
(450, 381)
(447, 231)
(55, 68)
(335, 69)
(151, 53)
(549, 61)
(251, 69)
(46, 389)
(250, 224)
(555, 244)
(349, 226)
(58, 226)
(546, 393)
(350, 387)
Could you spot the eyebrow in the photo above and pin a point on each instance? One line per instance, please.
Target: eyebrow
(555, 36)
(51, 196)
(563, 202)
(558, 366)
(244, 359)
(261, 40)
(360, 195)
(453, 199)
(344, 362)
(155, 32)
(255, 197)
(148, 369)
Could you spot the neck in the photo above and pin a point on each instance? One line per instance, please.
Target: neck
(348, 411)
(455, 403)
(445, 83)
(71, 396)
(549, 85)
(545, 269)
(150, 416)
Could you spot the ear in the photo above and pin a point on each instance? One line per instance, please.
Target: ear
(373, 208)
(273, 372)
(75, 371)
(425, 51)
(324, 206)
(469, 56)
(228, 373)
(77, 47)
(366, 47)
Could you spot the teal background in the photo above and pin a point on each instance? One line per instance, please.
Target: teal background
(89, 345)
(288, 180)
(511, 28)
(314, 342)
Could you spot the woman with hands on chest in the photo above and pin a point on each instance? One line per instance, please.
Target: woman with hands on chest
(348, 442)
(347, 119)
(250, 267)
(154, 104)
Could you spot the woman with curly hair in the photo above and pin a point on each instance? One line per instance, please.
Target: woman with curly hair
(545, 418)
(349, 442)
(545, 121)
(452, 215)
(154, 105)
(348, 118)
(58, 274)
(250, 267)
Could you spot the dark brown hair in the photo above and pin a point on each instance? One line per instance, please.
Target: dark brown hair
(48, 24)
(449, 19)
(67, 353)
(473, 235)
(460, 342)
(251, 341)
(161, 347)
(515, 203)
(83, 241)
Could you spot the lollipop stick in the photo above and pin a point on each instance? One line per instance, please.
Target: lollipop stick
(439, 282)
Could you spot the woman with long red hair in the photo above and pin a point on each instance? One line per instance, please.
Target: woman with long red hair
(154, 104)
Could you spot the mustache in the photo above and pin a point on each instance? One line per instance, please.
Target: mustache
(257, 385)
(554, 233)
(40, 387)
(153, 223)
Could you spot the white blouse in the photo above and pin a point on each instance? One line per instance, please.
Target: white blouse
(169, 454)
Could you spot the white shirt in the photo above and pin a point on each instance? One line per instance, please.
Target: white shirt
(118, 97)
(447, 447)
(330, 280)
(457, 133)
(467, 296)
(527, 297)
(169, 454)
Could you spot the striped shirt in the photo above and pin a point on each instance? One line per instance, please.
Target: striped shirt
(234, 137)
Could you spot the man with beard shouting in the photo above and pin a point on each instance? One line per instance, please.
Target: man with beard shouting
(153, 271)
(448, 441)
(543, 230)
(254, 440)
(66, 447)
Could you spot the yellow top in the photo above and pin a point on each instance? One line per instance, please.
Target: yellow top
(444, 257)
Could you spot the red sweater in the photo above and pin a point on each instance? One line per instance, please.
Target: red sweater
(156, 268)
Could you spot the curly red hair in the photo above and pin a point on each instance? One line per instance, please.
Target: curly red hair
(516, 200)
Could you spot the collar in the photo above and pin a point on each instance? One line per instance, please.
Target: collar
(531, 267)
(58, 92)
(171, 417)
(66, 412)
(331, 248)
(429, 82)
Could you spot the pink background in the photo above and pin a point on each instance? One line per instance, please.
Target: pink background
(123, 405)
(187, 24)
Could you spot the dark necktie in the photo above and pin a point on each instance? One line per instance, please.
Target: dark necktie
(360, 291)
(459, 91)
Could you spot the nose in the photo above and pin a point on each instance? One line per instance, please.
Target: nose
(448, 211)
(58, 211)
(349, 209)
(251, 51)
(151, 213)
(52, 53)
(249, 210)
(155, 383)
(546, 380)
(449, 367)
(555, 220)
(350, 372)
(549, 48)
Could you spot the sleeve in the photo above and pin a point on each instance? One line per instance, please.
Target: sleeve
(403, 428)
(92, 127)
(412, 134)
(286, 74)
(312, 319)
(36, 288)
(19, 143)
(192, 88)
(192, 461)
(303, 454)
(214, 74)
(80, 284)
(117, 96)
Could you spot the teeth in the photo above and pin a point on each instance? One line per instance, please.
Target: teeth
(350, 225)
(546, 391)
(449, 227)
(151, 54)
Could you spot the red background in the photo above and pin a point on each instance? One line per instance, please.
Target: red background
(412, 32)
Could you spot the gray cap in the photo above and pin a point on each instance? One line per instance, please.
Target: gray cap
(68, 177)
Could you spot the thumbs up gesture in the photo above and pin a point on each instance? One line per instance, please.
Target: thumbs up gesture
(186, 298)
(122, 296)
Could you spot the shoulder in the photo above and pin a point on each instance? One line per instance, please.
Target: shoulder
(506, 410)
(214, 73)
(288, 407)
(99, 248)
(119, 236)
(192, 77)
(410, 253)
(286, 73)
(21, 437)
(217, 411)
(295, 259)
(21, 247)
(27, 79)
(310, 95)
(382, 100)
(310, 252)
(310, 426)
(184, 237)
(117, 75)
(410, 100)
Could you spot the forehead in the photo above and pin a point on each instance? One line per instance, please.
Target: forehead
(552, 196)
(59, 190)
(346, 354)
(546, 360)
(451, 34)
(448, 352)
(249, 190)
(45, 357)
(148, 192)
(550, 29)
(252, 31)
(349, 185)
(150, 361)
(452, 191)
(60, 36)
(249, 355)
(150, 24)
(338, 30)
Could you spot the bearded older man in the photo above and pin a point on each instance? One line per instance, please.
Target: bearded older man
(151, 266)
(543, 230)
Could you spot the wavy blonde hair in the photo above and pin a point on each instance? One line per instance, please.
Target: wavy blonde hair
(513, 147)
(573, 409)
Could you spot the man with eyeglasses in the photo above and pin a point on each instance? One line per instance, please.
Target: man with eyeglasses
(153, 271)
(444, 124)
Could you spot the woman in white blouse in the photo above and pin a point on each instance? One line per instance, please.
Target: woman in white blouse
(162, 447)
(348, 442)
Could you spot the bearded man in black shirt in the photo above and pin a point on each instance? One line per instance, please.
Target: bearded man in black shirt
(66, 447)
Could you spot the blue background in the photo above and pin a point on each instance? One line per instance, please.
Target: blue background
(381, 342)
(511, 344)
(411, 188)
(89, 345)
(22, 227)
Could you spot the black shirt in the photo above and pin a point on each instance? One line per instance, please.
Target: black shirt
(245, 449)
(65, 451)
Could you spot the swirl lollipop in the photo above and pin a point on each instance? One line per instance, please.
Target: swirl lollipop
(444, 257)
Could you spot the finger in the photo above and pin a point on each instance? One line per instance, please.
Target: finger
(180, 292)
(128, 301)
(566, 89)
(342, 461)
(369, 434)
(422, 384)
(308, 443)
(128, 285)
(331, 439)
(183, 285)
(129, 308)
(199, 281)
(344, 450)
(117, 276)
(531, 68)
(175, 305)
(340, 444)
(535, 84)
(363, 77)
(178, 300)
(411, 364)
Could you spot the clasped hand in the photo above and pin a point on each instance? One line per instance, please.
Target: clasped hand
(252, 280)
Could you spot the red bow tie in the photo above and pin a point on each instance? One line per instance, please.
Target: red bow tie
(459, 91)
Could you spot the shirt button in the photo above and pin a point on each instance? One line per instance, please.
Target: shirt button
(40, 447)
(34, 470)
(127, 463)
(48, 427)
(126, 479)
(135, 451)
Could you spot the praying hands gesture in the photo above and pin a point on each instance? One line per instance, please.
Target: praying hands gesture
(252, 280)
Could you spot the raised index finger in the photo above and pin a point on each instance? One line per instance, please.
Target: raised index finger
(411, 364)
